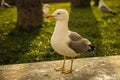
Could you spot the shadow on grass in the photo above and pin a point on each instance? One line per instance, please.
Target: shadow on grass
(86, 24)
(15, 44)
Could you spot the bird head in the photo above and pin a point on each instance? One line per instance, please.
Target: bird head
(46, 5)
(60, 15)
(101, 2)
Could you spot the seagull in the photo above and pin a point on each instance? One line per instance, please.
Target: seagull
(4, 4)
(66, 42)
(104, 8)
(45, 9)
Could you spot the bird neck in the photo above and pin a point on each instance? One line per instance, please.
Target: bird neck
(61, 27)
(47, 9)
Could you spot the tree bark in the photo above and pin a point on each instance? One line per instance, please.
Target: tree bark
(29, 14)
(96, 2)
(80, 3)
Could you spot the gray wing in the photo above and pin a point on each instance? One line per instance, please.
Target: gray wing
(74, 36)
(105, 9)
(77, 43)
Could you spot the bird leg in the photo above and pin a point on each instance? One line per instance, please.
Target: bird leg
(69, 70)
(61, 68)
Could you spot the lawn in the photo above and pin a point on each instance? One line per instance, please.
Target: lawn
(21, 47)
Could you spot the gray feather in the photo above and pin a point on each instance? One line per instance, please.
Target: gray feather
(105, 9)
(77, 43)
(74, 36)
(4, 4)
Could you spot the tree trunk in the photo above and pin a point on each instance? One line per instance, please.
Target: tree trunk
(96, 2)
(80, 3)
(29, 14)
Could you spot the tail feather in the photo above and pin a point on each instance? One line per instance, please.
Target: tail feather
(114, 13)
(6, 5)
(92, 48)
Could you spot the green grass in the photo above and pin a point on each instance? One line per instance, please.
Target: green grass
(20, 47)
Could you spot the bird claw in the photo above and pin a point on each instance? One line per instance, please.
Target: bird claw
(59, 69)
(67, 71)
(63, 70)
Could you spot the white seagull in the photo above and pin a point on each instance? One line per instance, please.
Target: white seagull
(66, 42)
(104, 8)
(45, 9)
(4, 4)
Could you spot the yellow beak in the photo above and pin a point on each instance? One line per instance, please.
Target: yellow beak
(49, 16)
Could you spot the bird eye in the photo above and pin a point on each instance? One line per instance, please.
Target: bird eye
(58, 13)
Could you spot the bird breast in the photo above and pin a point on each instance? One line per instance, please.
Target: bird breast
(58, 41)
(60, 45)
